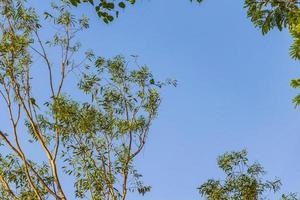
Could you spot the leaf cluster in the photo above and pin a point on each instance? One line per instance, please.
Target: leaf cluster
(107, 10)
(243, 181)
(270, 14)
(96, 139)
(102, 137)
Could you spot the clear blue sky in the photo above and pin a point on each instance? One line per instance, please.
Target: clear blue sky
(233, 91)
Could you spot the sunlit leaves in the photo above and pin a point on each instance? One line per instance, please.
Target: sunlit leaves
(102, 136)
(88, 82)
(243, 180)
(96, 132)
(15, 42)
(12, 170)
(270, 14)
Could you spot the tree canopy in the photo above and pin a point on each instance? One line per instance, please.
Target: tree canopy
(96, 134)
(93, 136)
(274, 14)
(243, 180)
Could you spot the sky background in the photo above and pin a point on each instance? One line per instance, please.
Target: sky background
(233, 91)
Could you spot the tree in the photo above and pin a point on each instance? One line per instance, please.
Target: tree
(270, 14)
(243, 181)
(93, 136)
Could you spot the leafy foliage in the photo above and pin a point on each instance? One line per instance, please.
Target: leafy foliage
(102, 137)
(108, 10)
(270, 14)
(243, 181)
(96, 140)
(11, 169)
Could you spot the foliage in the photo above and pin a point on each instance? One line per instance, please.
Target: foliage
(95, 140)
(108, 10)
(270, 14)
(109, 132)
(243, 181)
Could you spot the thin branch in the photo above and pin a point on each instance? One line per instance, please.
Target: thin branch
(64, 62)
(44, 55)
(7, 188)
(41, 141)
(15, 150)
(22, 155)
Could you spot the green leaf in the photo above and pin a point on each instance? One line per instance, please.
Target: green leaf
(75, 2)
(152, 81)
(132, 1)
(122, 5)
